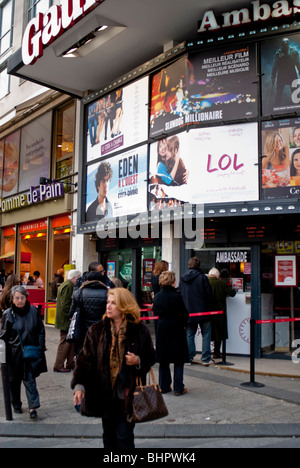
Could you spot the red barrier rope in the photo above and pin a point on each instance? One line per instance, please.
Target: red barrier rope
(198, 314)
(297, 319)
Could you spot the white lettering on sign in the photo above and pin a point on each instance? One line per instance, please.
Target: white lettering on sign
(44, 29)
(260, 12)
(232, 257)
(35, 195)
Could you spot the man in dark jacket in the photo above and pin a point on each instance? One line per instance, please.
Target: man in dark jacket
(196, 293)
(65, 350)
(90, 299)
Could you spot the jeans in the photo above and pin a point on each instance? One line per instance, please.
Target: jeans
(206, 339)
(31, 392)
(165, 378)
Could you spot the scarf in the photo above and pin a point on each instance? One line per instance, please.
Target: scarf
(117, 350)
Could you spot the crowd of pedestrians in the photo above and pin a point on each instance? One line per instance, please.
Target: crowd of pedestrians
(112, 347)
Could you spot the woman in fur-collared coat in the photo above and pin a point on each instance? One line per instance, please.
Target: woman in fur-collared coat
(116, 350)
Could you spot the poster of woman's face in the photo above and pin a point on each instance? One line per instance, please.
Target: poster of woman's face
(193, 167)
(281, 159)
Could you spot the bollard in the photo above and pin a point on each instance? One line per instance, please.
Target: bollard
(252, 382)
(5, 381)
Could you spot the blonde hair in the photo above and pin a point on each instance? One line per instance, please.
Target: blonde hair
(126, 303)
(167, 278)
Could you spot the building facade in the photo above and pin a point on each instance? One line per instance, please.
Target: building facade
(190, 149)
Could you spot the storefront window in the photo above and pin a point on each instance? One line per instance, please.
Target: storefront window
(33, 244)
(65, 141)
(279, 302)
(61, 231)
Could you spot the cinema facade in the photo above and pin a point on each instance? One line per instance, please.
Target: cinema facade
(191, 152)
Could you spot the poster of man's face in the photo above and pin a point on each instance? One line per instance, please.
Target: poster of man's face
(281, 75)
(117, 186)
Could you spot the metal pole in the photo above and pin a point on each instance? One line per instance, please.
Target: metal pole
(5, 381)
(252, 382)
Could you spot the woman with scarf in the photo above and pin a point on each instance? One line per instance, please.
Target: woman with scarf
(23, 319)
(116, 350)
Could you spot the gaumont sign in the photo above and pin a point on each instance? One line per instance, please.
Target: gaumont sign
(257, 13)
(44, 29)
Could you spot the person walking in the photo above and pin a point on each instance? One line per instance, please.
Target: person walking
(116, 351)
(23, 319)
(171, 341)
(90, 301)
(197, 297)
(221, 289)
(65, 350)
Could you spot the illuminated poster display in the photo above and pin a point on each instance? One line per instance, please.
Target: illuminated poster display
(281, 159)
(280, 75)
(208, 165)
(118, 120)
(117, 186)
(205, 87)
(35, 152)
(11, 164)
(285, 271)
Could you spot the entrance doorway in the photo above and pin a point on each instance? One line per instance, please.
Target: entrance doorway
(279, 302)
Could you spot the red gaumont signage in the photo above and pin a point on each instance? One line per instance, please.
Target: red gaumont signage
(259, 12)
(44, 29)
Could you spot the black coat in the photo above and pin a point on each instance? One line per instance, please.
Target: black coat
(171, 342)
(90, 301)
(32, 332)
(196, 294)
(92, 369)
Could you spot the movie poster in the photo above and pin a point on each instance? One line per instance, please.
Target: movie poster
(117, 186)
(193, 167)
(281, 159)
(206, 87)
(118, 120)
(280, 65)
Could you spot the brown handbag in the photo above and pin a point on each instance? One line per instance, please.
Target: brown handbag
(148, 403)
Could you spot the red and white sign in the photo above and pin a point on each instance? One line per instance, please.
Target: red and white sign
(285, 271)
(44, 29)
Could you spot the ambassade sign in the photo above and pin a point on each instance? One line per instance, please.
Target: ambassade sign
(44, 29)
(259, 12)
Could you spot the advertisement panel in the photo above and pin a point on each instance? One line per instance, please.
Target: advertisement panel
(118, 120)
(206, 87)
(11, 164)
(117, 186)
(35, 152)
(280, 63)
(209, 165)
(281, 159)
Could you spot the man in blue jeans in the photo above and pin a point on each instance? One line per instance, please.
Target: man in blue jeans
(196, 293)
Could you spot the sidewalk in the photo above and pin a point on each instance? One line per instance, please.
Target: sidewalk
(216, 405)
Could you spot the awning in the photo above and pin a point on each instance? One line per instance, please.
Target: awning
(7, 255)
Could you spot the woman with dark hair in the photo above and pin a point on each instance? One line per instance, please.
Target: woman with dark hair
(5, 302)
(295, 168)
(22, 320)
